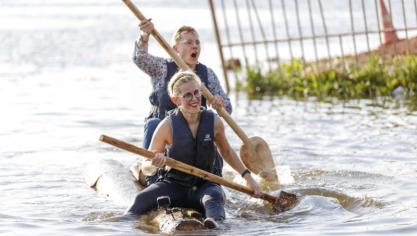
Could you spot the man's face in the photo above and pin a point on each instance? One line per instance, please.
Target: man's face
(188, 48)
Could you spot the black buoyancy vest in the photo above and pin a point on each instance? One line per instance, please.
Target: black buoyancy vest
(199, 152)
(160, 100)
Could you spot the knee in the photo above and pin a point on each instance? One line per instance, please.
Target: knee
(213, 204)
(141, 205)
(152, 123)
(216, 197)
(150, 127)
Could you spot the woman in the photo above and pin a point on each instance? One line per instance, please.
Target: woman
(191, 135)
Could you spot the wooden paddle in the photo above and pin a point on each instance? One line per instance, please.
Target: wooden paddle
(281, 203)
(254, 152)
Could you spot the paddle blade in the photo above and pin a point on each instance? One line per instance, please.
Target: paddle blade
(258, 158)
(285, 201)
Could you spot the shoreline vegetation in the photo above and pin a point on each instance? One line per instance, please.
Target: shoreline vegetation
(340, 78)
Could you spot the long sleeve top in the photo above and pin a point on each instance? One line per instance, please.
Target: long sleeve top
(156, 68)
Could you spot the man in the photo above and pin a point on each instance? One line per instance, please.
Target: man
(186, 43)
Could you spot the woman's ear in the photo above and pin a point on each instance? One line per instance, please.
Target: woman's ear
(175, 48)
(175, 100)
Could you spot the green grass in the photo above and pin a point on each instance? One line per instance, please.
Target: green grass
(374, 78)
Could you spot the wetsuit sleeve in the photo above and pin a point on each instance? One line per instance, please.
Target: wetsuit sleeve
(216, 89)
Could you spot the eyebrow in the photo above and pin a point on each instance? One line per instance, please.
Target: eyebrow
(190, 40)
(192, 91)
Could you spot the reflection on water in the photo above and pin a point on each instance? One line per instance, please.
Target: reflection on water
(352, 204)
(66, 78)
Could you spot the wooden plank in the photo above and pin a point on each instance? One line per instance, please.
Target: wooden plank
(113, 180)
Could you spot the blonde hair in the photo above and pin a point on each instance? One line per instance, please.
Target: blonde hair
(179, 79)
(177, 36)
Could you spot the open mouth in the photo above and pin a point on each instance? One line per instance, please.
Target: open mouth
(194, 55)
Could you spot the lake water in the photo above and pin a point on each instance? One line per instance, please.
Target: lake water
(66, 77)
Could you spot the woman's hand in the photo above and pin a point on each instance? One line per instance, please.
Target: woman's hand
(252, 184)
(217, 102)
(159, 160)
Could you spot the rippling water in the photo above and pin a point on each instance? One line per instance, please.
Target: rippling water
(66, 78)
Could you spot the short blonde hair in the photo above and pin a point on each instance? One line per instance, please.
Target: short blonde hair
(179, 79)
(178, 37)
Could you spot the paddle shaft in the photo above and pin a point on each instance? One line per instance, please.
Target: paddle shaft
(185, 168)
(178, 60)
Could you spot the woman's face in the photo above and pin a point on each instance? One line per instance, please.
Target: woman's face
(189, 99)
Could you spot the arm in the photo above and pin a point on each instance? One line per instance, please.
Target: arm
(154, 66)
(161, 137)
(216, 89)
(151, 65)
(231, 157)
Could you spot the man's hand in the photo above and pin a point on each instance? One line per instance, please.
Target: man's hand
(146, 26)
(217, 102)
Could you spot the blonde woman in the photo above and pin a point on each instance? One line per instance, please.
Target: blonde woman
(191, 135)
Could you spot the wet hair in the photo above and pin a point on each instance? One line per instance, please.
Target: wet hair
(177, 36)
(179, 79)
